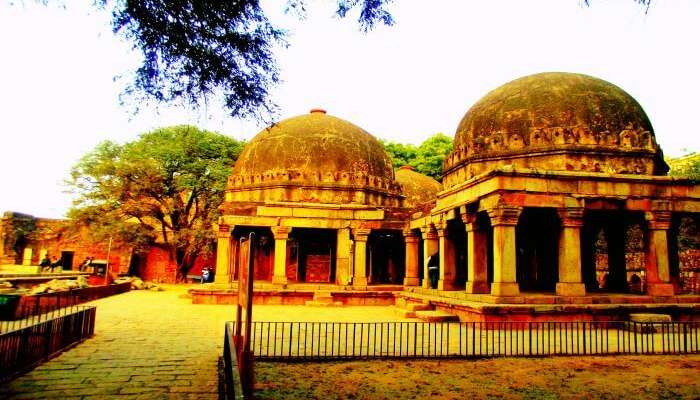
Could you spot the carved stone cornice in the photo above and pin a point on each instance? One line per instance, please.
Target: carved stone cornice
(505, 215)
(571, 217)
(658, 220)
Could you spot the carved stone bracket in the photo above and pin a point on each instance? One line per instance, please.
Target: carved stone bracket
(224, 231)
(658, 220)
(281, 232)
(571, 217)
(361, 234)
(429, 232)
(409, 235)
(504, 215)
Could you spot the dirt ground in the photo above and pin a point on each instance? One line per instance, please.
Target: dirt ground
(620, 377)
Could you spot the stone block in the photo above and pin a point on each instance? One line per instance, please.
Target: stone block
(505, 289)
(660, 289)
(478, 287)
(571, 289)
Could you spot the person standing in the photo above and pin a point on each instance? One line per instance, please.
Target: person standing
(45, 263)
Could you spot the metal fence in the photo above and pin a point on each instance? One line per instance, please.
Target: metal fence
(28, 342)
(338, 340)
(30, 305)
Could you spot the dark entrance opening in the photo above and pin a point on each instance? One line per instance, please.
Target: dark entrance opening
(537, 239)
(386, 257)
(67, 260)
(313, 251)
(612, 251)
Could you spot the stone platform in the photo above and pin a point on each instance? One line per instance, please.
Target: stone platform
(298, 294)
(468, 307)
(545, 307)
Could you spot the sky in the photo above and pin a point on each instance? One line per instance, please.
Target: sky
(62, 70)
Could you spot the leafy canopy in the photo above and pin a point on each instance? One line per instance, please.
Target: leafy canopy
(166, 186)
(426, 158)
(193, 50)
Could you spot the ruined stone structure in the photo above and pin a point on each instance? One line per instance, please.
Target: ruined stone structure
(542, 168)
(25, 240)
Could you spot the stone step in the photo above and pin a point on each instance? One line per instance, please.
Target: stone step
(316, 303)
(435, 316)
(419, 307)
(403, 313)
(648, 317)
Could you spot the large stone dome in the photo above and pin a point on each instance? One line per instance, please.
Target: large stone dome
(555, 121)
(314, 158)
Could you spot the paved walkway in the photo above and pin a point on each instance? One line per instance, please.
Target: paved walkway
(156, 345)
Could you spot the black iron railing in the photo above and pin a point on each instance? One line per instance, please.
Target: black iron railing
(338, 340)
(28, 342)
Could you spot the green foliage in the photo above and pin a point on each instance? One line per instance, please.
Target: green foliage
(687, 166)
(426, 158)
(167, 186)
(194, 49)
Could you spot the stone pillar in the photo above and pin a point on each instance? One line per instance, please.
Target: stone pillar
(279, 273)
(223, 255)
(342, 257)
(477, 253)
(361, 235)
(412, 262)
(570, 277)
(504, 219)
(448, 265)
(657, 260)
(430, 247)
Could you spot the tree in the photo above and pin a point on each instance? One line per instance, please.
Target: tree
(426, 158)
(193, 50)
(166, 186)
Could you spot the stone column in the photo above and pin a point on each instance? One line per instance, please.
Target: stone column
(477, 253)
(412, 262)
(223, 255)
(342, 257)
(447, 260)
(657, 261)
(430, 247)
(504, 219)
(360, 278)
(570, 277)
(279, 273)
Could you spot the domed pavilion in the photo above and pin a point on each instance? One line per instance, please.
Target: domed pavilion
(548, 176)
(322, 196)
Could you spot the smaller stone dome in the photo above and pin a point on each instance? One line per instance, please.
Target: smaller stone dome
(418, 189)
(314, 158)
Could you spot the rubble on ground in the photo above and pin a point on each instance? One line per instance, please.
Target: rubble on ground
(139, 284)
(60, 285)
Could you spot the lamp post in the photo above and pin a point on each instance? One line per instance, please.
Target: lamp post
(109, 251)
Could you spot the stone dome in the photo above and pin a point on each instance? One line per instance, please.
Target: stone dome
(418, 189)
(315, 158)
(556, 121)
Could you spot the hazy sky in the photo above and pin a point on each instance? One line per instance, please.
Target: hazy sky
(58, 95)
